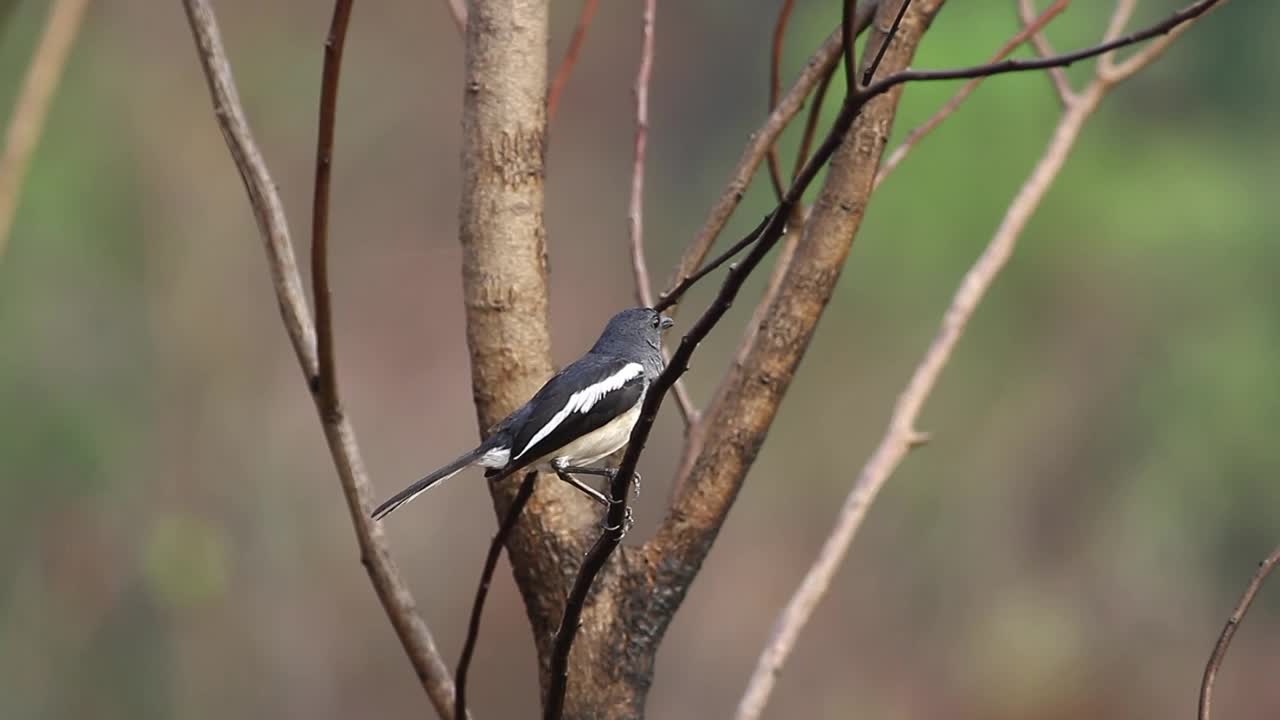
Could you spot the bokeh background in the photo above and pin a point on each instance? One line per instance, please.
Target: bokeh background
(1102, 475)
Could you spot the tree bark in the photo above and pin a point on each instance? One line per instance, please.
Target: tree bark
(505, 288)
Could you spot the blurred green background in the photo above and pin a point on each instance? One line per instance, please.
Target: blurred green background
(1100, 483)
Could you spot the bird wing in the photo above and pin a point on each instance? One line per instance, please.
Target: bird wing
(579, 399)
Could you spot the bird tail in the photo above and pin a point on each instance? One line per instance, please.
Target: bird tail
(425, 484)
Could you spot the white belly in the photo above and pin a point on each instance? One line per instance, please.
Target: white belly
(599, 443)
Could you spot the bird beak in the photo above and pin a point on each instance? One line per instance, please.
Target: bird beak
(665, 323)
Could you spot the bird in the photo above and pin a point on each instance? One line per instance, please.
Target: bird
(583, 414)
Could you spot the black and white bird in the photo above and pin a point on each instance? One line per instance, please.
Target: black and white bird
(581, 415)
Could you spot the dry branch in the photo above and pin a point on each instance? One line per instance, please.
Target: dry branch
(914, 137)
(391, 590)
(1229, 631)
(570, 60)
(901, 434)
(1042, 47)
(32, 104)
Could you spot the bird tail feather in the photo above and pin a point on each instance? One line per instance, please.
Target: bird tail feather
(426, 483)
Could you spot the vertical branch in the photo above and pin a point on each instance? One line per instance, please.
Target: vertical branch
(635, 213)
(482, 591)
(775, 88)
(570, 56)
(1229, 631)
(32, 104)
(326, 383)
(392, 592)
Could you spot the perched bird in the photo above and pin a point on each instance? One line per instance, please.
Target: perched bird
(582, 414)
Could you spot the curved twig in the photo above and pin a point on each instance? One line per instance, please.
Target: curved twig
(482, 590)
(775, 89)
(1229, 631)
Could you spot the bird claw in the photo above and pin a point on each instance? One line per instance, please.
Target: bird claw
(628, 520)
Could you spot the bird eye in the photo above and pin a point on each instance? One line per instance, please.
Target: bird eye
(656, 321)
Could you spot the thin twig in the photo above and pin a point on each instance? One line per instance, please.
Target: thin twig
(458, 11)
(635, 212)
(870, 72)
(1040, 43)
(1229, 631)
(392, 592)
(811, 121)
(570, 56)
(482, 590)
(32, 104)
(820, 63)
(1191, 12)
(326, 384)
(919, 133)
(775, 88)
(849, 10)
(901, 434)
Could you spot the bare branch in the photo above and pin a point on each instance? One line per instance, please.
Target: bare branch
(1187, 14)
(849, 10)
(916, 135)
(901, 435)
(392, 592)
(811, 121)
(32, 104)
(775, 88)
(571, 56)
(1057, 76)
(1229, 631)
(819, 64)
(635, 213)
(870, 72)
(482, 591)
(458, 11)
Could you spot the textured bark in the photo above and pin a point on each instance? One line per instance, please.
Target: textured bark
(748, 398)
(505, 290)
(505, 285)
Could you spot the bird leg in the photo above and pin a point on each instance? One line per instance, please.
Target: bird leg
(565, 473)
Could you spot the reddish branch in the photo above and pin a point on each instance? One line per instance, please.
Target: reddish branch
(570, 56)
(775, 88)
(761, 242)
(1229, 631)
(482, 591)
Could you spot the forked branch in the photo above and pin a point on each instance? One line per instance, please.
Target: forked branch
(390, 588)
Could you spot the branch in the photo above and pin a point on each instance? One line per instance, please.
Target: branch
(870, 72)
(819, 64)
(32, 104)
(482, 591)
(1229, 631)
(775, 88)
(635, 213)
(458, 11)
(901, 434)
(811, 122)
(1040, 43)
(571, 56)
(325, 385)
(1187, 14)
(916, 135)
(287, 283)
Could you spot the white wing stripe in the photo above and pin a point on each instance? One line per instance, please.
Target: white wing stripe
(584, 400)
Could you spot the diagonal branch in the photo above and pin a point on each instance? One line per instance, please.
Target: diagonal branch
(390, 588)
(775, 88)
(917, 134)
(1040, 43)
(482, 590)
(1229, 631)
(32, 104)
(458, 11)
(570, 56)
(819, 64)
(901, 434)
